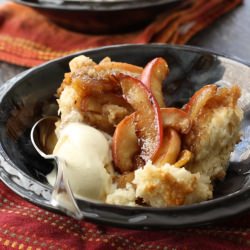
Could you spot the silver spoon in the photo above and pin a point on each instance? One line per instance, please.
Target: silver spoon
(44, 139)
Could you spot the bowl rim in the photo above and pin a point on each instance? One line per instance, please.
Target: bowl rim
(241, 195)
(99, 6)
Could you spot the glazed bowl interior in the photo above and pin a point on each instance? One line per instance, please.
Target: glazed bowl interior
(31, 95)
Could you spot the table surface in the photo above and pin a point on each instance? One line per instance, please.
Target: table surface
(229, 35)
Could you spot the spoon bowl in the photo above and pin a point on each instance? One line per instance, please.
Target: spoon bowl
(43, 136)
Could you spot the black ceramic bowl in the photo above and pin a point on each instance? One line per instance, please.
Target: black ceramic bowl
(27, 97)
(101, 16)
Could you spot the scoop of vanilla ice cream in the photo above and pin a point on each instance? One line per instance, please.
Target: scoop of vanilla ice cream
(86, 152)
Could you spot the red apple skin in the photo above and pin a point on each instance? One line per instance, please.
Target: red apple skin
(153, 76)
(177, 119)
(125, 145)
(148, 120)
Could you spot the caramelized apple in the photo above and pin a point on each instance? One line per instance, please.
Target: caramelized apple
(177, 119)
(170, 149)
(153, 76)
(199, 100)
(125, 145)
(111, 67)
(148, 121)
(95, 103)
(184, 157)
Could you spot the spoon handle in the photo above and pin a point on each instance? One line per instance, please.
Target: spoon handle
(62, 196)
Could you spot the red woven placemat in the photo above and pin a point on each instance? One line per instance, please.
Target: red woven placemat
(26, 226)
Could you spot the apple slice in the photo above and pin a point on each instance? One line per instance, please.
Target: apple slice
(94, 103)
(184, 158)
(153, 76)
(148, 121)
(170, 148)
(177, 119)
(199, 100)
(125, 145)
(112, 67)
